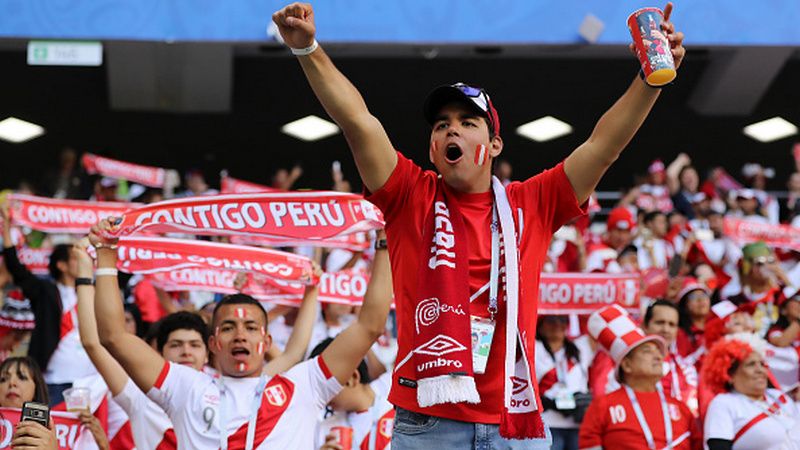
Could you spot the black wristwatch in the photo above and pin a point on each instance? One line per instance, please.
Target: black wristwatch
(380, 244)
(84, 282)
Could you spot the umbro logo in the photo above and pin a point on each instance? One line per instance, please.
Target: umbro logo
(440, 345)
(518, 385)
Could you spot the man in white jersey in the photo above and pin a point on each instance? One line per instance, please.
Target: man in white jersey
(241, 409)
(362, 406)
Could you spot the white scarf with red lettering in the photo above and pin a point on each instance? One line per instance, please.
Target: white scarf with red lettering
(442, 343)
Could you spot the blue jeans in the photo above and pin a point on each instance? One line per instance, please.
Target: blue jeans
(564, 438)
(414, 431)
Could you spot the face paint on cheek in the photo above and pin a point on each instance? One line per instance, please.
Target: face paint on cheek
(480, 155)
(260, 348)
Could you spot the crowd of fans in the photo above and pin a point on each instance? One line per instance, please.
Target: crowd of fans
(719, 323)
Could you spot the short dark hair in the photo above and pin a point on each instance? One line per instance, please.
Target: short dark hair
(648, 315)
(363, 370)
(60, 254)
(238, 299)
(651, 215)
(182, 320)
(40, 394)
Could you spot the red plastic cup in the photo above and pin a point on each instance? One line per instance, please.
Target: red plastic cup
(652, 46)
(344, 436)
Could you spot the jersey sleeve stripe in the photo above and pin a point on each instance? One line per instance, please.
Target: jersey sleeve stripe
(324, 367)
(162, 376)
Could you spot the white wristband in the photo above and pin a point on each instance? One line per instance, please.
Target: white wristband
(305, 51)
(107, 271)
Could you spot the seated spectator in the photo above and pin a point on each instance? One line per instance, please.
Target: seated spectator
(634, 416)
(746, 414)
(694, 305)
(562, 370)
(654, 250)
(619, 227)
(762, 280)
(786, 331)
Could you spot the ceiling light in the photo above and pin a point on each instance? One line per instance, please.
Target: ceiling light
(544, 129)
(770, 130)
(310, 128)
(17, 131)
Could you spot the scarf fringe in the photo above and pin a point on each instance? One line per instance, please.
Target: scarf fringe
(522, 426)
(447, 389)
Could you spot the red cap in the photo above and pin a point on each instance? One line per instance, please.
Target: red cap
(691, 284)
(656, 166)
(620, 218)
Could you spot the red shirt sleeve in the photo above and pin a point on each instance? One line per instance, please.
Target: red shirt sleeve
(395, 193)
(550, 196)
(590, 434)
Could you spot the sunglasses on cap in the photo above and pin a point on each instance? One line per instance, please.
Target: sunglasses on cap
(762, 260)
(481, 100)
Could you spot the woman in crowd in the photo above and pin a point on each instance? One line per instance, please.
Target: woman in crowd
(746, 414)
(694, 306)
(562, 372)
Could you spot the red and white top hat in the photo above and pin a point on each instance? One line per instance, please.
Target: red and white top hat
(614, 329)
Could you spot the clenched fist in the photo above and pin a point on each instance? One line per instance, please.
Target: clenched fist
(296, 25)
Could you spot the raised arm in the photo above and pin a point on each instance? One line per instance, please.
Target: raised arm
(615, 129)
(372, 150)
(297, 345)
(139, 360)
(348, 349)
(113, 374)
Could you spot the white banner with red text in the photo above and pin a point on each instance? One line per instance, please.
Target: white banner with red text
(779, 236)
(345, 287)
(67, 427)
(62, 216)
(298, 216)
(230, 185)
(584, 293)
(144, 175)
(150, 255)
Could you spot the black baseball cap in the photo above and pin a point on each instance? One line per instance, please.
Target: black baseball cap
(462, 93)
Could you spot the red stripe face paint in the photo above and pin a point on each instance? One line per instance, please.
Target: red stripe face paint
(241, 313)
(260, 348)
(242, 367)
(480, 155)
(219, 344)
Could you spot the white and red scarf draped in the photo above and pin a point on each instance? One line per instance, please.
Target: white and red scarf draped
(442, 345)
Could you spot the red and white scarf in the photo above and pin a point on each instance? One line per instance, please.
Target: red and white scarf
(137, 173)
(442, 351)
(306, 216)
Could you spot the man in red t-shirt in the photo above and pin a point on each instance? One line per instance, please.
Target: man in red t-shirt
(634, 416)
(445, 234)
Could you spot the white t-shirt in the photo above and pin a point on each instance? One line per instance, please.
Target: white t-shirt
(372, 429)
(150, 426)
(287, 417)
(557, 377)
(731, 412)
(69, 361)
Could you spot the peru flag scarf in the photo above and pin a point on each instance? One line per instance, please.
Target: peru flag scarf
(442, 352)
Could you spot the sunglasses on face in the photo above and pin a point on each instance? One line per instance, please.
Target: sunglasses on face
(763, 260)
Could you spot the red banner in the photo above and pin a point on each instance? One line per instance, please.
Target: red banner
(781, 236)
(62, 216)
(67, 426)
(151, 255)
(356, 242)
(346, 287)
(584, 293)
(145, 175)
(299, 216)
(35, 259)
(230, 185)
